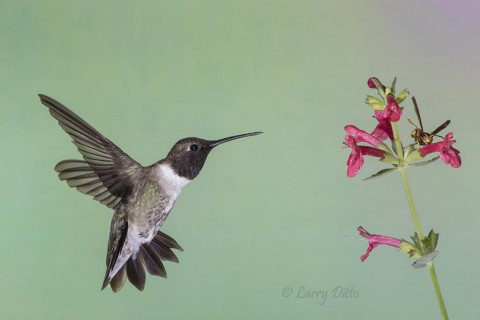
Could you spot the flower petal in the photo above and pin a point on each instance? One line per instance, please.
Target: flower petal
(451, 156)
(384, 128)
(375, 240)
(371, 151)
(371, 83)
(354, 163)
(355, 160)
(362, 136)
(392, 111)
(448, 154)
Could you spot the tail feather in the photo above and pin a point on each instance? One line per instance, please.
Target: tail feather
(164, 252)
(149, 257)
(136, 272)
(153, 262)
(168, 241)
(118, 280)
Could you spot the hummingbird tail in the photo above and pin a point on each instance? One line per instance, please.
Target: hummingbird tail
(149, 257)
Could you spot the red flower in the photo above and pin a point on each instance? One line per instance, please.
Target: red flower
(375, 240)
(392, 111)
(448, 154)
(355, 160)
(371, 82)
(383, 129)
(361, 136)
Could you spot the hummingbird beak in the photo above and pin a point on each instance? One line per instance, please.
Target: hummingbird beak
(215, 143)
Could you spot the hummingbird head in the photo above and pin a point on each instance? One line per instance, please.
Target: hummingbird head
(188, 155)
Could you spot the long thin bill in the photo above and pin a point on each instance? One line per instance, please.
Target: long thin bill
(220, 141)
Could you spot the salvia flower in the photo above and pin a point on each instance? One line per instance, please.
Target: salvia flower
(392, 111)
(355, 160)
(362, 136)
(384, 128)
(387, 111)
(448, 154)
(375, 240)
(371, 82)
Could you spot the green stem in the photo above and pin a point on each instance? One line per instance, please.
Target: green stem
(436, 285)
(416, 220)
(406, 185)
(411, 203)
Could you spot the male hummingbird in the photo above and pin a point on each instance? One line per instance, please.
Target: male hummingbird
(142, 197)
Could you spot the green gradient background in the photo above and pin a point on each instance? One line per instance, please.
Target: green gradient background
(266, 212)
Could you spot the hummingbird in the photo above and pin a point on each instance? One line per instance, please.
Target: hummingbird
(141, 196)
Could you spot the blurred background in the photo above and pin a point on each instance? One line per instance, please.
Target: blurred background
(266, 226)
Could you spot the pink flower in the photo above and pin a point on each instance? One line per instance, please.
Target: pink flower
(361, 136)
(383, 129)
(375, 240)
(355, 160)
(392, 111)
(448, 154)
(371, 82)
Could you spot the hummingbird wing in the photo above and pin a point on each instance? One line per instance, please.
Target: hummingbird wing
(116, 242)
(107, 173)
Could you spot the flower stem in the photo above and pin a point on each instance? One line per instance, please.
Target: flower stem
(411, 203)
(416, 221)
(436, 285)
(406, 185)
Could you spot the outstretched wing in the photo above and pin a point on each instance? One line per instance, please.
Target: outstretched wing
(107, 173)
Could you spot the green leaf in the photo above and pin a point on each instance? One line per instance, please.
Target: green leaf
(425, 245)
(416, 241)
(375, 103)
(387, 92)
(432, 240)
(421, 249)
(394, 82)
(402, 96)
(408, 150)
(423, 163)
(380, 90)
(380, 173)
(390, 159)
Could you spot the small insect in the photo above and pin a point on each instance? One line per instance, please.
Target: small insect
(421, 137)
(423, 261)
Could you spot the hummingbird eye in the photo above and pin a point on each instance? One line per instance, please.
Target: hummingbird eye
(193, 147)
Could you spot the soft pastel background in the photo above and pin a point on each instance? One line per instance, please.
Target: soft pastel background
(266, 213)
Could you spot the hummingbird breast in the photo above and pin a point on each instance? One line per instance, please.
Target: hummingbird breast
(148, 206)
(153, 200)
